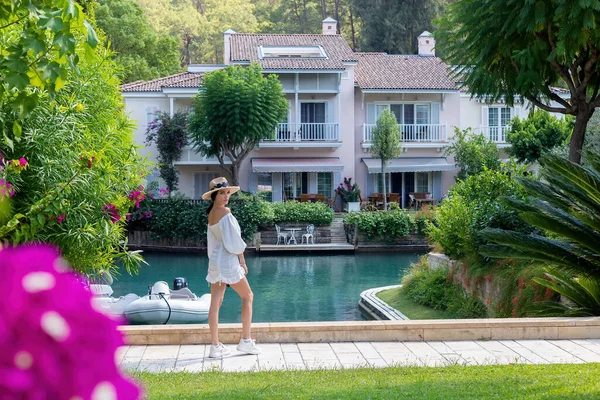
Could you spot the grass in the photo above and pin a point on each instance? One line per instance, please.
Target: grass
(556, 381)
(401, 302)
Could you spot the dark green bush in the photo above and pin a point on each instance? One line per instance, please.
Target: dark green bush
(293, 211)
(389, 224)
(433, 288)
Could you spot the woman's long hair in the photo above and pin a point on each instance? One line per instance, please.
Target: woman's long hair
(212, 197)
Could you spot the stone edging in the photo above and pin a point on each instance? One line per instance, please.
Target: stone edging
(373, 331)
(377, 308)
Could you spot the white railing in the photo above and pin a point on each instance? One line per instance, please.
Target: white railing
(496, 134)
(189, 156)
(307, 132)
(413, 132)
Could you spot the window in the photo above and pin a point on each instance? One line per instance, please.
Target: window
(422, 181)
(312, 112)
(406, 114)
(388, 184)
(265, 185)
(291, 52)
(498, 116)
(324, 183)
(294, 184)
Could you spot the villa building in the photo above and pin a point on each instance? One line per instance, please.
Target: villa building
(335, 96)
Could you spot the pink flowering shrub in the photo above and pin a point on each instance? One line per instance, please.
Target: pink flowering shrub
(112, 212)
(53, 343)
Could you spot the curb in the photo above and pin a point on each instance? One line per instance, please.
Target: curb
(377, 308)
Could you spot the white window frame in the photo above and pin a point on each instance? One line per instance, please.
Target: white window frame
(291, 52)
(429, 181)
(415, 104)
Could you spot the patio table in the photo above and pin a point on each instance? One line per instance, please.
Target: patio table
(293, 234)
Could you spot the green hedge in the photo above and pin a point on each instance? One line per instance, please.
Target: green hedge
(389, 225)
(180, 217)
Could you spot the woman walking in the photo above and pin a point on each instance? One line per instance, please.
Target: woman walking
(226, 266)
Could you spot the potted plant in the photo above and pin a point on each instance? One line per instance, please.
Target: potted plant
(350, 194)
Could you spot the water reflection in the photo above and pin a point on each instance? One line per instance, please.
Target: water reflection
(286, 287)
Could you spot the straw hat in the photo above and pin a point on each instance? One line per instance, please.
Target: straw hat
(218, 184)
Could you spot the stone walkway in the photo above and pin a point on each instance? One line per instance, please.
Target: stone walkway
(276, 356)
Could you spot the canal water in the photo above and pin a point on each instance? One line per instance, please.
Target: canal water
(296, 288)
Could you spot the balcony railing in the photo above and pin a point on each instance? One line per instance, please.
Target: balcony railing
(189, 156)
(496, 134)
(307, 132)
(415, 133)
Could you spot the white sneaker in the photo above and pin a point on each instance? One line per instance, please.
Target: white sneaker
(218, 351)
(248, 346)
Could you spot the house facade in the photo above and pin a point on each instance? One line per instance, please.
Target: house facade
(335, 96)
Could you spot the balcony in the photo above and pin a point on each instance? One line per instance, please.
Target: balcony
(298, 135)
(496, 134)
(413, 135)
(190, 157)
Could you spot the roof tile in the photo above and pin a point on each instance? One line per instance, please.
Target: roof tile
(181, 80)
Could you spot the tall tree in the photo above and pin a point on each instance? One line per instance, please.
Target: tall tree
(143, 53)
(237, 108)
(394, 25)
(386, 144)
(511, 49)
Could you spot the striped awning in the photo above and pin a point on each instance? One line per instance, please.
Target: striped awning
(317, 164)
(409, 165)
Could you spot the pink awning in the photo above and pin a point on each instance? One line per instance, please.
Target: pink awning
(318, 164)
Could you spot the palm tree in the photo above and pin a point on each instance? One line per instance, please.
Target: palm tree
(566, 204)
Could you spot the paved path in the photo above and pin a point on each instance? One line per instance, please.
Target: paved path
(275, 356)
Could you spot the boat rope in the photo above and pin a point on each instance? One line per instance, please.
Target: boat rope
(168, 305)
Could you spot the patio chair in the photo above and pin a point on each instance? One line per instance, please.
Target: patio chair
(304, 198)
(281, 234)
(394, 198)
(309, 234)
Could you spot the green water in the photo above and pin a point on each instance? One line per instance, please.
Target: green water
(286, 287)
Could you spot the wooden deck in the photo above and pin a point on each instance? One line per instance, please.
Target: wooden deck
(306, 247)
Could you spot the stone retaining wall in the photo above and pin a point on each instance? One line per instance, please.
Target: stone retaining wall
(321, 234)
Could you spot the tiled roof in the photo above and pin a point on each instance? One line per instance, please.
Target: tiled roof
(181, 80)
(244, 48)
(383, 71)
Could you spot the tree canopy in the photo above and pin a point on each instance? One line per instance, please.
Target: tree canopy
(236, 109)
(540, 132)
(143, 53)
(515, 49)
(386, 143)
(473, 153)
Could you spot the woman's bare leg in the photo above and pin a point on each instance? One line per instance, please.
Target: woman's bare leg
(242, 288)
(217, 291)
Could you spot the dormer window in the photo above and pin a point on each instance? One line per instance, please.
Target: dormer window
(291, 52)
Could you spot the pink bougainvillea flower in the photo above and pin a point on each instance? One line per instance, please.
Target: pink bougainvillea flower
(53, 343)
(6, 189)
(112, 212)
(61, 218)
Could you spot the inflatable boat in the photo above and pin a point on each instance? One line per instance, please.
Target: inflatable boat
(105, 302)
(168, 306)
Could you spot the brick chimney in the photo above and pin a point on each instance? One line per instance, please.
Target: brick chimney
(329, 26)
(426, 44)
(227, 46)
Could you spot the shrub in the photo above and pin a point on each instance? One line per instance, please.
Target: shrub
(293, 211)
(474, 205)
(433, 288)
(384, 224)
(473, 153)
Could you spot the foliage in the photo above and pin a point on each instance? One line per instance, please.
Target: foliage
(397, 299)
(386, 144)
(424, 218)
(393, 26)
(472, 153)
(456, 381)
(349, 192)
(514, 49)
(170, 134)
(82, 166)
(180, 217)
(432, 288)
(39, 39)
(538, 133)
(237, 109)
(198, 25)
(566, 203)
(293, 211)
(472, 205)
(144, 54)
(389, 225)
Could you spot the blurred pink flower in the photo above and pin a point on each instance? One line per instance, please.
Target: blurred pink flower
(61, 218)
(53, 343)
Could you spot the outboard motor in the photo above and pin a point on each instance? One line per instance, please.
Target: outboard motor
(179, 283)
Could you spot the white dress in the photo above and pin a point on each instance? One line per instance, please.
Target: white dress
(224, 242)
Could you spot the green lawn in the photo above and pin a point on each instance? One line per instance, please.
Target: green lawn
(398, 300)
(455, 382)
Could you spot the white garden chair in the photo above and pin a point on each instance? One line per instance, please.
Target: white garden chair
(281, 234)
(309, 234)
